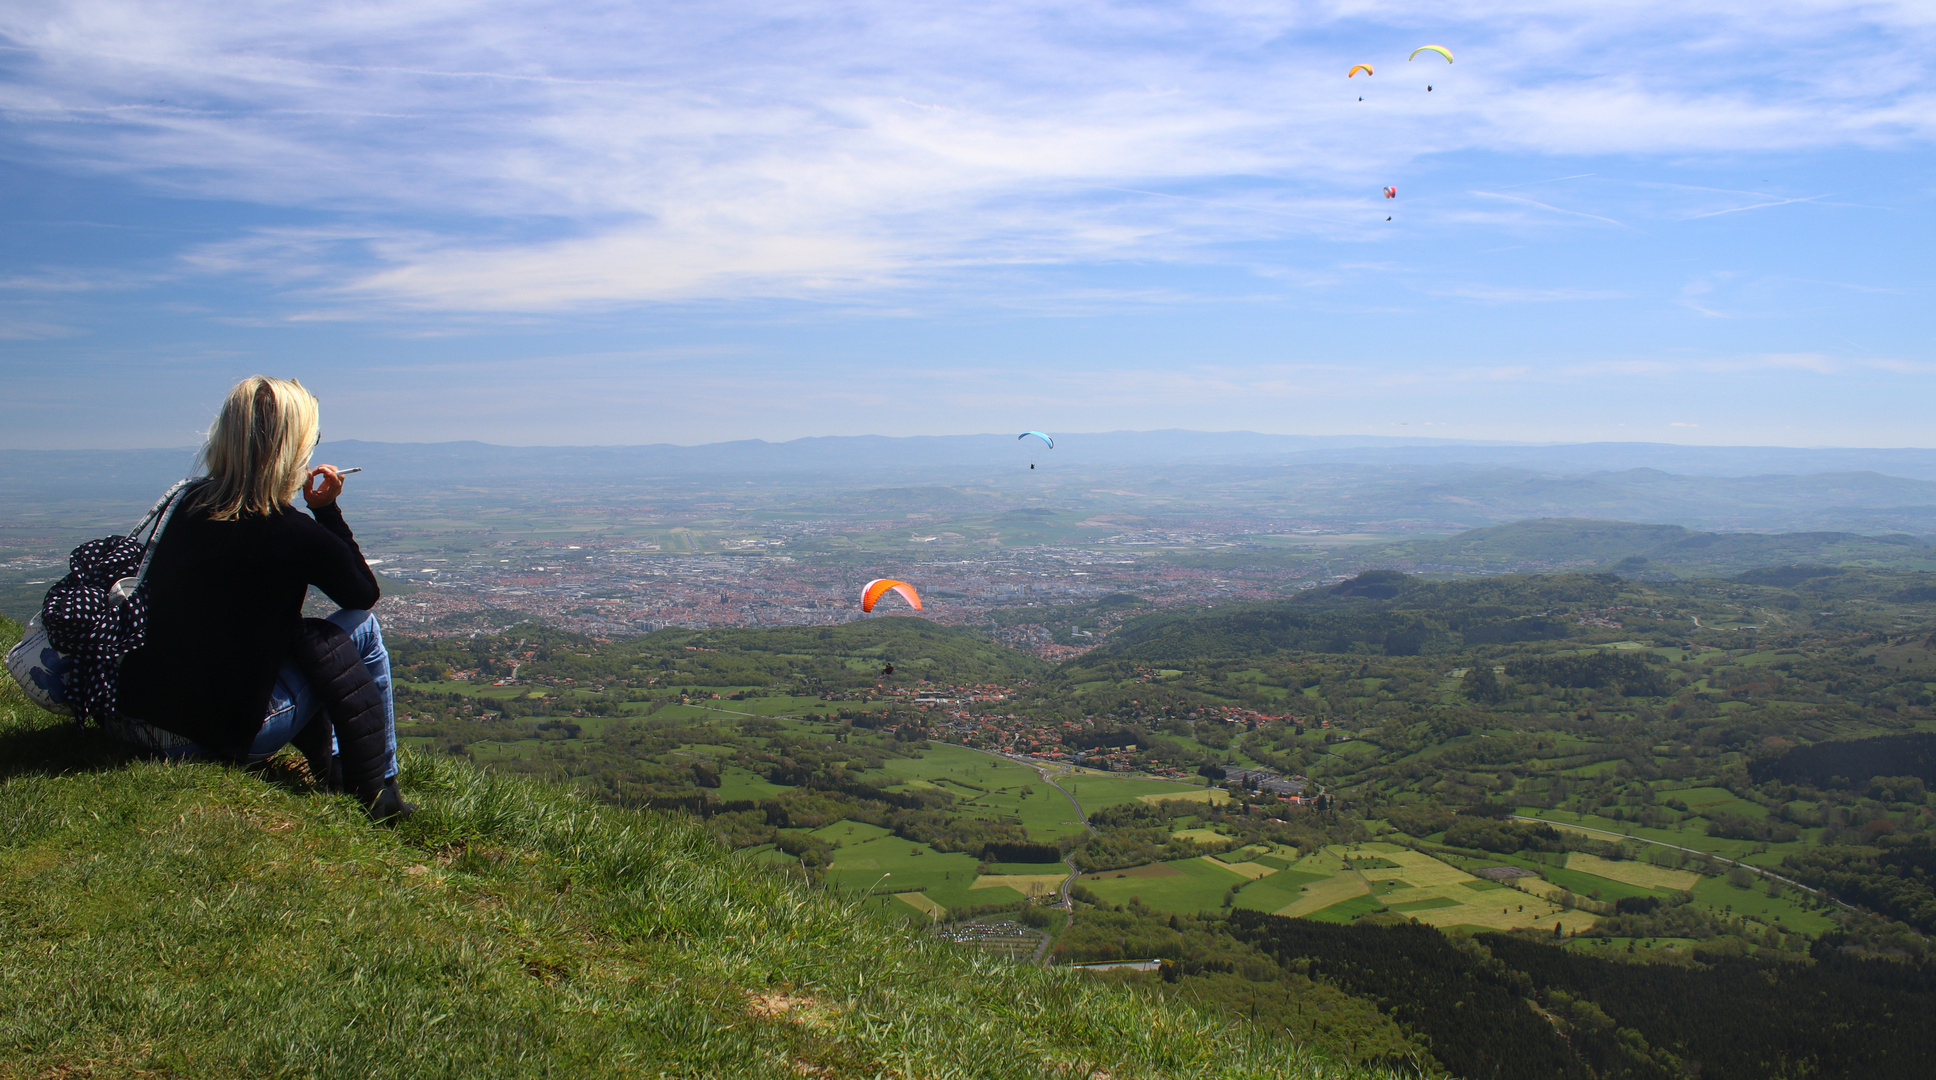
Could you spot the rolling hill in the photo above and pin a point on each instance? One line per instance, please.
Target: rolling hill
(1667, 551)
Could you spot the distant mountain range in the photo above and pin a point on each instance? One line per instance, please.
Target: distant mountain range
(1436, 484)
(885, 454)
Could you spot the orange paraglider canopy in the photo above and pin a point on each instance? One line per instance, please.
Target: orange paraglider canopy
(880, 587)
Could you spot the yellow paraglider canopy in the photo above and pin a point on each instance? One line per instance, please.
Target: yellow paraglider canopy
(1440, 49)
(1366, 68)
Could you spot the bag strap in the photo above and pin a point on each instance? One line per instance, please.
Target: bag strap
(161, 505)
(156, 522)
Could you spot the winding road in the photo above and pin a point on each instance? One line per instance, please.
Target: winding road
(1817, 893)
(1048, 773)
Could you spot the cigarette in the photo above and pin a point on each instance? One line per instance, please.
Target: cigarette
(346, 472)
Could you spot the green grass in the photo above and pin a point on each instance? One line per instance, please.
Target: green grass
(874, 859)
(199, 920)
(1596, 768)
(998, 787)
(739, 783)
(1096, 792)
(1280, 890)
(1291, 879)
(1703, 800)
(1755, 901)
(1346, 910)
(1692, 834)
(1426, 904)
(1199, 885)
(1594, 886)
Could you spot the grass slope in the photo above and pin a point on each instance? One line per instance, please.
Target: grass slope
(198, 920)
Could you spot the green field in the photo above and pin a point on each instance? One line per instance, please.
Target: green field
(738, 783)
(1191, 885)
(1278, 891)
(1347, 910)
(1595, 887)
(1691, 834)
(1755, 901)
(1703, 800)
(1096, 791)
(870, 859)
(983, 782)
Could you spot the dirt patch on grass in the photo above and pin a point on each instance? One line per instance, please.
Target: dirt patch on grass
(790, 1007)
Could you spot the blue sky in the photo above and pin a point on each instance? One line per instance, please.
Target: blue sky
(684, 222)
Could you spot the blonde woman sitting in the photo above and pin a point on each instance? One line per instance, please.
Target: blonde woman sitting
(229, 667)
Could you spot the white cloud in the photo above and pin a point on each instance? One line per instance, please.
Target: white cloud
(546, 156)
(1502, 294)
(33, 330)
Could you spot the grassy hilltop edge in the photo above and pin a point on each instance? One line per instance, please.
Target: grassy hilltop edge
(199, 920)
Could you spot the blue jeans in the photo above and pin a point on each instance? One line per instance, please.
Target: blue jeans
(292, 704)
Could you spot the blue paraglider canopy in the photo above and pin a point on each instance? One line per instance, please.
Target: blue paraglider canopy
(1038, 435)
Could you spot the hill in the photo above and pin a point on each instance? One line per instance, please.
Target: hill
(1654, 551)
(1385, 612)
(1380, 611)
(199, 920)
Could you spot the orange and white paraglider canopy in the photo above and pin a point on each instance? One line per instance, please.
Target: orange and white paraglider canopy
(880, 587)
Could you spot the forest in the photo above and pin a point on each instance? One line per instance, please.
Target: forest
(1713, 789)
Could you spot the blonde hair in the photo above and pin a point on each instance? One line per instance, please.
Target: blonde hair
(257, 454)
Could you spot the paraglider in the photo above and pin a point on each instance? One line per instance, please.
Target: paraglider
(1391, 193)
(879, 587)
(1440, 49)
(1366, 68)
(1038, 435)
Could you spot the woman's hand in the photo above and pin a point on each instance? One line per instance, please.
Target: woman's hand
(322, 487)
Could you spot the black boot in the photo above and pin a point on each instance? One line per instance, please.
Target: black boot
(315, 740)
(383, 802)
(357, 713)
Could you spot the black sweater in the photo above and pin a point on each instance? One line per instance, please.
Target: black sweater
(224, 603)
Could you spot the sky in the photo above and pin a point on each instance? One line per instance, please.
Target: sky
(603, 223)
